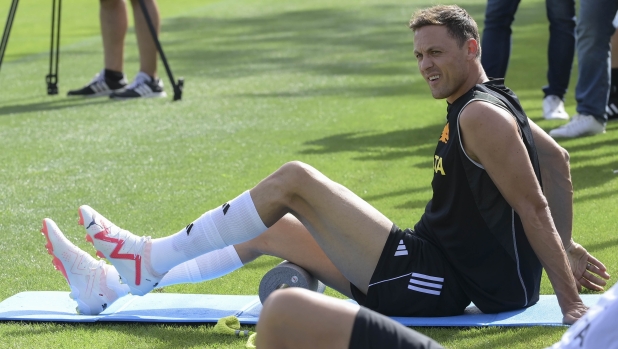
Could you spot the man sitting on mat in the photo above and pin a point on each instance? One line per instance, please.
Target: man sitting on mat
(484, 237)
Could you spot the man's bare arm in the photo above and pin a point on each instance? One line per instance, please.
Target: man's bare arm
(490, 136)
(558, 189)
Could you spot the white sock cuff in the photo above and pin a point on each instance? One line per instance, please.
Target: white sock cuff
(187, 272)
(203, 268)
(218, 263)
(238, 220)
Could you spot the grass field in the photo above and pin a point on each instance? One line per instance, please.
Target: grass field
(331, 83)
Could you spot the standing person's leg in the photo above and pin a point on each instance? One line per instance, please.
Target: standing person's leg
(146, 83)
(594, 32)
(297, 318)
(561, 47)
(560, 52)
(612, 104)
(496, 40)
(145, 43)
(347, 229)
(114, 24)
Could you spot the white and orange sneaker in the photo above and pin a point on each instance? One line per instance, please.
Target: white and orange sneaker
(129, 253)
(94, 284)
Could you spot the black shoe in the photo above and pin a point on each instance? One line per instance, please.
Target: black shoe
(100, 86)
(142, 87)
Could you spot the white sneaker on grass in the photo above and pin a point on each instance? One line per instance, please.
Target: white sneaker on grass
(143, 86)
(129, 253)
(580, 125)
(94, 284)
(553, 108)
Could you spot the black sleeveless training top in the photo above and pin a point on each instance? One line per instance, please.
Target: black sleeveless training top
(468, 219)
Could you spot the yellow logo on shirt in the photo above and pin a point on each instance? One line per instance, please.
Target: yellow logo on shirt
(437, 165)
(444, 136)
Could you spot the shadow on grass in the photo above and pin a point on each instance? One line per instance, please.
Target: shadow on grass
(596, 196)
(57, 104)
(602, 245)
(391, 145)
(404, 192)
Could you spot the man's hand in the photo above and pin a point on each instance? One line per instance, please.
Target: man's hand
(574, 313)
(587, 270)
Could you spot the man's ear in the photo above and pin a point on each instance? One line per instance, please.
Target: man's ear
(473, 48)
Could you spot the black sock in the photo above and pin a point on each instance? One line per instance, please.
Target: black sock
(113, 75)
(113, 79)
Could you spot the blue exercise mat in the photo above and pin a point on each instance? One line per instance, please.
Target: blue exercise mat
(201, 308)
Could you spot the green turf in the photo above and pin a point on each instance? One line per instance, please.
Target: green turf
(331, 83)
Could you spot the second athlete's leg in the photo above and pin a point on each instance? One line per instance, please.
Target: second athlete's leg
(145, 43)
(114, 24)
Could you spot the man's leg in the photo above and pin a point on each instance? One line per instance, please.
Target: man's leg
(113, 20)
(297, 318)
(290, 240)
(594, 31)
(347, 229)
(145, 43)
(351, 232)
(114, 23)
(561, 47)
(293, 318)
(496, 41)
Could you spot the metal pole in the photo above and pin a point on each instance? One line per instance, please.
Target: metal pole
(7, 29)
(180, 84)
(54, 50)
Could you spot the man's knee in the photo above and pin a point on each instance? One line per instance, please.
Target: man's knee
(297, 170)
(293, 175)
(280, 302)
(279, 309)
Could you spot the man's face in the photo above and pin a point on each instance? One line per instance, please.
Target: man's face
(441, 61)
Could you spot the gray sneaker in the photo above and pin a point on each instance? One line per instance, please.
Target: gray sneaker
(580, 125)
(553, 108)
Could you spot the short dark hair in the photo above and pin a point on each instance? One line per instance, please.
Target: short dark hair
(459, 24)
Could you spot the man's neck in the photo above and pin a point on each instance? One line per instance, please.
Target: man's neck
(477, 76)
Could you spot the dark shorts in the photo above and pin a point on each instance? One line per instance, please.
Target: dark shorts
(412, 278)
(374, 331)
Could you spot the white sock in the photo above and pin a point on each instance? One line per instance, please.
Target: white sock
(234, 222)
(203, 268)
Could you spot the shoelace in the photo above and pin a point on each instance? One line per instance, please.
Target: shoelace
(99, 77)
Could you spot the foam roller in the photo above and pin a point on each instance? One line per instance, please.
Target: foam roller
(285, 275)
